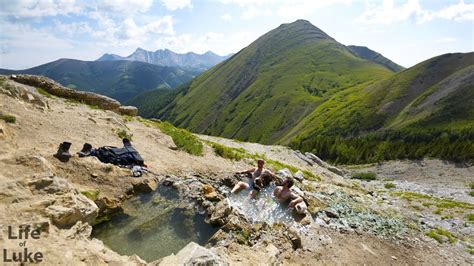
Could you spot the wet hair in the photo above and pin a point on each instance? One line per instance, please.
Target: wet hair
(260, 160)
(289, 181)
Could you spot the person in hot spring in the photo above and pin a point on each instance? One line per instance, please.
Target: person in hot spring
(260, 178)
(285, 196)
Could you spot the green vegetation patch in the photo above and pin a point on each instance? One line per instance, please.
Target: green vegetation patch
(228, 152)
(7, 118)
(128, 118)
(367, 176)
(44, 93)
(428, 200)
(471, 185)
(389, 185)
(438, 233)
(470, 217)
(123, 134)
(182, 138)
(92, 195)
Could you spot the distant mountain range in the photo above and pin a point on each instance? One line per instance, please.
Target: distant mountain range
(120, 80)
(297, 86)
(123, 78)
(167, 57)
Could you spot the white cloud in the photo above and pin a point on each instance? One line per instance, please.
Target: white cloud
(24, 46)
(446, 40)
(217, 42)
(252, 8)
(72, 29)
(39, 8)
(253, 12)
(226, 17)
(177, 4)
(163, 25)
(283, 8)
(389, 13)
(457, 12)
(124, 6)
(302, 8)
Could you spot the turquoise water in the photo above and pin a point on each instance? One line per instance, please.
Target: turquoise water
(262, 208)
(154, 225)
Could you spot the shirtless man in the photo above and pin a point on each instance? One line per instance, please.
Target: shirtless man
(261, 177)
(285, 195)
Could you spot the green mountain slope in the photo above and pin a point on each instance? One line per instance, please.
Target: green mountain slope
(262, 92)
(120, 80)
(373, 56)
(417, 106)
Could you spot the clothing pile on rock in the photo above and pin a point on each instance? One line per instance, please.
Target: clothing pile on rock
(127, 156)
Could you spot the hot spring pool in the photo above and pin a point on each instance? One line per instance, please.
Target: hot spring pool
(154, 225)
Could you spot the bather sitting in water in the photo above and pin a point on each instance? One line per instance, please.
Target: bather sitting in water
(261, 178)
(286, 196)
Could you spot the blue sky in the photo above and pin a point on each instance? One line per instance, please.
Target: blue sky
(34, 32)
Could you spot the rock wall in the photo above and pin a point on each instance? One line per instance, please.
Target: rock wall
(89, 98)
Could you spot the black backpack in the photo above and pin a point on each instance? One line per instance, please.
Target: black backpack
(126, 156)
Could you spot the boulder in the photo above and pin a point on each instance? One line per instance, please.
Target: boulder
(192, 254)
(209, 193)
(144, 185)
(71, 208)
(108, 206)
(304, 158)
(27, 94)
(299, 176)
(335, 170)
(315, 159)
(86, 97)
(331, 213)
(284, 173)
(219, 213)
(128, 110)
(314, 203)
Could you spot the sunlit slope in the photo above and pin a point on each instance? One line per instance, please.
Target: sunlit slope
(267, 88)
(437, 94)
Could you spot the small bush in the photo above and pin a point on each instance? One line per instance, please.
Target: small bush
(471, 185)
(182, 138)
(44, 93)
(368, 176)
(92, 195)
(227, 152)
(389, 185)
(123, 134)
(471, 193)
(437, 234)
(8, 118)
(470, 217)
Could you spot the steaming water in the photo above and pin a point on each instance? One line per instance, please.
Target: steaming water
(154, 225)
(263, 208)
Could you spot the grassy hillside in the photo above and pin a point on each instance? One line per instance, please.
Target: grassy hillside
(263, 91)
(121, 80)
(426, 110)
(375, 57)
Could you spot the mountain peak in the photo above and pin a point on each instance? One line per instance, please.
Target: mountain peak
(303, 27)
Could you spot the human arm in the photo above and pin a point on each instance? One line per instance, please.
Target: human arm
(295, 200)
(274, 177)
(247, 171)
